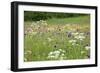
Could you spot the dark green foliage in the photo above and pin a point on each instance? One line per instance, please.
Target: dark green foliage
(36, 16)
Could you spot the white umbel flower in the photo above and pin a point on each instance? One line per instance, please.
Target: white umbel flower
(72, 41)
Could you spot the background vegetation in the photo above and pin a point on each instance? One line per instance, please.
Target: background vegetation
(36, 16)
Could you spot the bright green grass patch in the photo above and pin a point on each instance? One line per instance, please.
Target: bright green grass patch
(71, 20)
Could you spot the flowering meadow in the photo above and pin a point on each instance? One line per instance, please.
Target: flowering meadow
(57, 39)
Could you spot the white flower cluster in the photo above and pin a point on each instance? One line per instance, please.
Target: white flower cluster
(87, 47)
(57, 54)
(79, 36)
(28, 52)
(73, 42)
(41, 22)
(36, 26)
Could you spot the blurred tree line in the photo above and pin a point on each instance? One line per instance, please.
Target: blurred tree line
(36, 16)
